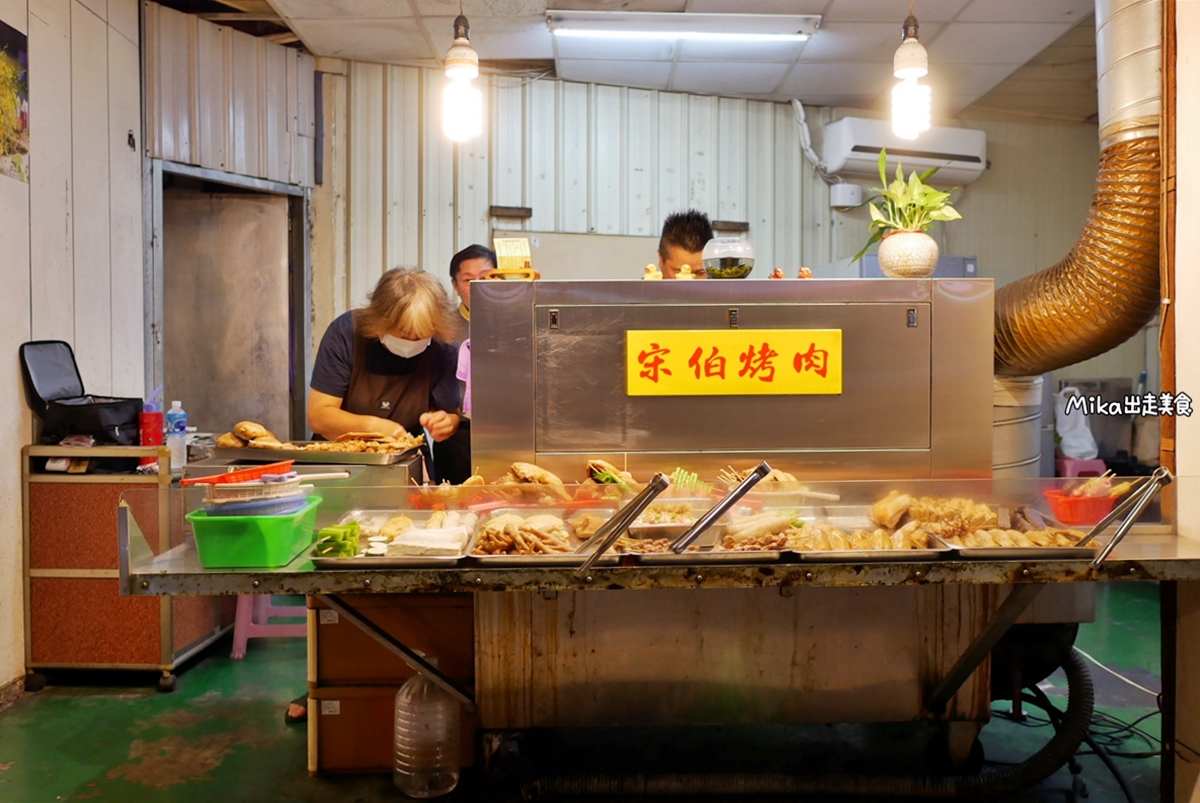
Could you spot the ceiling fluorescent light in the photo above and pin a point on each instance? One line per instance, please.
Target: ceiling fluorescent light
(637, 25)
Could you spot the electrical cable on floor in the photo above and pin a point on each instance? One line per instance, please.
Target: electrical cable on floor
(1117, 675)
(1039, 698)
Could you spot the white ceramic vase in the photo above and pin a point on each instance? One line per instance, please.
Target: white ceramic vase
(908, 255)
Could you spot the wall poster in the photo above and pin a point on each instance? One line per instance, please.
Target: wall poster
(14, 103)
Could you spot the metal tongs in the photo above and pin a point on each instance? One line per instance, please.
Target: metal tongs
(611, 530)
(720, 509)
(1134, 502)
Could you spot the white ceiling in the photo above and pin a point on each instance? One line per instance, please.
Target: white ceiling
(973, 44)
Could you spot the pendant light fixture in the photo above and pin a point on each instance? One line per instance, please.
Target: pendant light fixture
(462, 102)
(911, 102)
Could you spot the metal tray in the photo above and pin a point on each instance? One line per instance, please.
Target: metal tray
(373, 520)
(1030, 552)
(324, 458)
(707, 557)
(874, 555)
(556, 559)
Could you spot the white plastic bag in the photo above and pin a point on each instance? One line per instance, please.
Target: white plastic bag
(1074, 431)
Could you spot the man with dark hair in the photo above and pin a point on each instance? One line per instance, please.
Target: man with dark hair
(684, 235)
(468, 265)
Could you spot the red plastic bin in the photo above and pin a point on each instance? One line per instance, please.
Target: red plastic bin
(241, 475)
(1079, 509)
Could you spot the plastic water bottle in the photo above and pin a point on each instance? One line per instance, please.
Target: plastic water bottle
(177, 434)
(426, 740)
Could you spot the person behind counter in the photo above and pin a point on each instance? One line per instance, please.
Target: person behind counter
(470, 264)
(389, 366)
(684, 235)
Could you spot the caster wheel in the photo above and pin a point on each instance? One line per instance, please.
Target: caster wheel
(35, 681)
(166, 683)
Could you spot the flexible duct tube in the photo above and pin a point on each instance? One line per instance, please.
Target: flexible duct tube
(1107, 287)
(1041, 765)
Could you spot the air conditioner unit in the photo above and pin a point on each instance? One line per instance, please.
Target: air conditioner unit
(852, 145)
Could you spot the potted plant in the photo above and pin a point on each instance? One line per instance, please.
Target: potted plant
(906, 211)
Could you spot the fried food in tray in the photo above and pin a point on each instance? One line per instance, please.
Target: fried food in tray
(966, 524)
(513, 534)
(1050, 537)
(826, 537)
(367, 443)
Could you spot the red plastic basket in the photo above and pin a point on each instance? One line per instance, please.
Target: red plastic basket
(1079, 509)
(241, 475)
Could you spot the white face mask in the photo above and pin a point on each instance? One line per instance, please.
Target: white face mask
(404, 348)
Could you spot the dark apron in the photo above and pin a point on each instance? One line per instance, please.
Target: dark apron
(404, 398)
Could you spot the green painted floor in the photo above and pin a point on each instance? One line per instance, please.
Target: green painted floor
(221, 735)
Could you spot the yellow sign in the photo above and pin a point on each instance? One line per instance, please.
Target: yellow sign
(733, 362)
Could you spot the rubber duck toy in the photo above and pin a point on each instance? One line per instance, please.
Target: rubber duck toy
(776, 274)
(805, 273)
(685, 272)
(652, 272)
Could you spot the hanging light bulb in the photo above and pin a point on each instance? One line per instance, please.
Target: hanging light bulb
(911, 101)
(462, 103)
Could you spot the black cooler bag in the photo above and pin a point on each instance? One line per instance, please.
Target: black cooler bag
(56, 395)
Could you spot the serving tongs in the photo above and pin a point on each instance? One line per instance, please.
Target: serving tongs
(1134, 502)
(720, 508)
(611, 530)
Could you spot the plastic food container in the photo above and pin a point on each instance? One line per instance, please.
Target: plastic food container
(1079, 509)
(253, 542)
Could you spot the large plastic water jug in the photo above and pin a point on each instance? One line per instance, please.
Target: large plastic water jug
(428, 723)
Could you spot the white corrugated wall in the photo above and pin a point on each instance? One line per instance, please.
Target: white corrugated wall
(585, 158)
(226, 100)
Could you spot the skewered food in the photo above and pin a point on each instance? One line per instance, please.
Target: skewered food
(338, 541)
(757, 527)
(510, 534)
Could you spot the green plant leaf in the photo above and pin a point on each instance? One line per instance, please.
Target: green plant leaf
(875, 237)
(946, 213)
(883, 166)
(876, 215)
(925, 176)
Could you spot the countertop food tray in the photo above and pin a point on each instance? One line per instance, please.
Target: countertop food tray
(875, 555)
(707, 557)
(1030, 552)
(370, 521)
(323, 458)
(556, 559)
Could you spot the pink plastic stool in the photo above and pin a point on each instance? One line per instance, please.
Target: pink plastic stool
(254, 611)
(1064, 467)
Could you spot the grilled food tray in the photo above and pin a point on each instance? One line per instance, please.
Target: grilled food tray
(324, 458)
(369, 522)
(554, 559)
